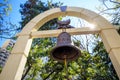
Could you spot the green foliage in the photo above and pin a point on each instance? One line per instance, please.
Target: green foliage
(40, 47)
(94, 66)
(86, 67)
(6, 31)
(103, 63)
(34, 7)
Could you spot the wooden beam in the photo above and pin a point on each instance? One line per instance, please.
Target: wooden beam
(72, 31)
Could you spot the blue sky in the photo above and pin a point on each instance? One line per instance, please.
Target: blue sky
(15, 16)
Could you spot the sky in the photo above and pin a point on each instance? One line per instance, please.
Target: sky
(15, 16)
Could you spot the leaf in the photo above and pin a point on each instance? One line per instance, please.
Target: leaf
(60, 18)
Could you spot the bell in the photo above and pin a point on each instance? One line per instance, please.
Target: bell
(65, 49)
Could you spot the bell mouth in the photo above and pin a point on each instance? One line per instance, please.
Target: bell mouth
(68, 52)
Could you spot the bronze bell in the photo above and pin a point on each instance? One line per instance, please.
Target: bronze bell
(65, 49)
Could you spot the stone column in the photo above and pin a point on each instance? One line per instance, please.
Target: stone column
(16, 62)
(111, 40)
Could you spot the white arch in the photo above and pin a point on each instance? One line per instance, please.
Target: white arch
(88, 15)
(16, 62)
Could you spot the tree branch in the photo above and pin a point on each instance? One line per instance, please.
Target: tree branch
(114, 1)
(49, 75)
(105, 4)
(26, 72)
(56, 69)
(108, 9)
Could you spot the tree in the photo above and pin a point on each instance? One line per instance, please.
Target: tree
(34, 7)
(40, 47)
(106, 69)
(7, 29)
(112, 11)
(89, 66)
